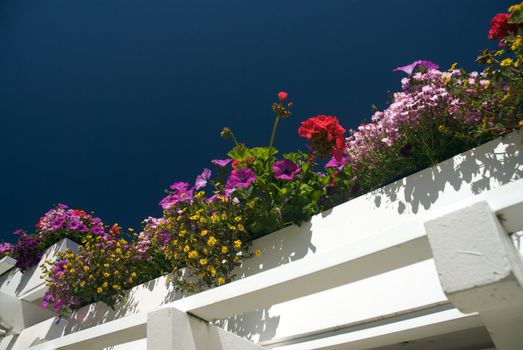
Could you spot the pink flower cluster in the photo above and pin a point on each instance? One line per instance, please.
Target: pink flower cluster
(424, 100)
(62, 219)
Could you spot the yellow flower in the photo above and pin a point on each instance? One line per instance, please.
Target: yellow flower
(106, 265)
(224, 249)
(212, 270)
(441, 128)
(116, 287)
(186, 248)
(182, 233)
(215, 218)
(211, 241)
(499, 53)
(133, 274)
(199, 194)
(258, 253)
(107, 274)
(251, 204)
(203, 220)
(204, 233)
(71, 270)
(86, 268)
(203, 261)
(221, 280)
(82, 283)
(193, 254)
(195, 217)
(506, 62)
(224, 216)
(237, 244)
(517, 43)
(99, 290)
(105, 285)
(517, 7)
(118, 251)
(241, 227)
(238, 219)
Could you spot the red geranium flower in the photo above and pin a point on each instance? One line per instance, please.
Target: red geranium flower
(499, 26)
(325, 135)
(282, 95)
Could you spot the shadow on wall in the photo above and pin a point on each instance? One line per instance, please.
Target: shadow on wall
(492, 163)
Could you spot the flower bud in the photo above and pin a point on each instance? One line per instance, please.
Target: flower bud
(282, 96)
(226, 133)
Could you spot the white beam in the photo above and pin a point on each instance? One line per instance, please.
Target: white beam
(172, 329)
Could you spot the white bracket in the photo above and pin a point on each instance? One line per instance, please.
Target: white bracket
(480, 270)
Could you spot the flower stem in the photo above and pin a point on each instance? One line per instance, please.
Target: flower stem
(274, 130)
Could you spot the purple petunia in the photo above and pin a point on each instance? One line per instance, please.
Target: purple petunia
(339, 164)
(181, 192)
(240, 178)
(410, 67)
(285, 169)
(202, 179)
(221, 162)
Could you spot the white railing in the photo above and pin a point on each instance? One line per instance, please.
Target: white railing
(404, 274)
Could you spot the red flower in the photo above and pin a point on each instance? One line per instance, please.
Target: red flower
(235, 163)
(499, 26)
(325, 135)
(282, 96)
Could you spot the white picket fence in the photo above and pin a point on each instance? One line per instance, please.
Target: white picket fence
(423, 263)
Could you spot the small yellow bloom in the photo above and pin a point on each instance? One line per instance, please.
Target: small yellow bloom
(203, 261)
(212, 241)
(212, 271)
(241, 227)
(106, 265)
(82, 283)
(237, 244)
(186, 248)
(506, 62)
(116, 287)
(195, 217)
(107, 274)
(238, 219)
(105, 285)
(215, 218)
(204, 233)
(517, 7)
(224, 249)
(86, 268)
(224, 216)
(193, 254)
(199, 194)
(133, 274)
(99, 290)
(118, 251)
(72, 270)
(441, 128)
(251, 204)
(221, 280)
(499, 53)
(182, 233)
(517, 43)
(453, 66)
(258, 253)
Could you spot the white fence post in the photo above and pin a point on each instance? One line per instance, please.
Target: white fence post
(171, 329)
(480, 270)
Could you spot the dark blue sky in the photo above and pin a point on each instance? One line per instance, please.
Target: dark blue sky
(104, 103)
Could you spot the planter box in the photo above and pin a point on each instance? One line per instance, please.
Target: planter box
(6, 264)
(371, 217)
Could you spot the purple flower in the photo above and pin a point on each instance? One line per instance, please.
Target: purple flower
(177, 186)
(180, 193)
(240, 178)
(97, 230)
(62, 206)
(285, 169)
(5, 247)
(57, 223)
(202, 179)
(221, 162)
(339, 164)
(428, 65)
(73, 225)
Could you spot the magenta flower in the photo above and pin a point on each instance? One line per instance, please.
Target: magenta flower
(202, 179)
(339, 164)
(285, 169)
(410, 67)
(221, 162)
(5, 247)
(181, 192)
(240, 178)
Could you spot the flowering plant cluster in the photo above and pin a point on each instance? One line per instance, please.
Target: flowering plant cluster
(103, 269)
(62, 222)
(206, 228)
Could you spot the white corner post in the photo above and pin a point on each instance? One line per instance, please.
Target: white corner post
(480, 270)
(171, 329)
